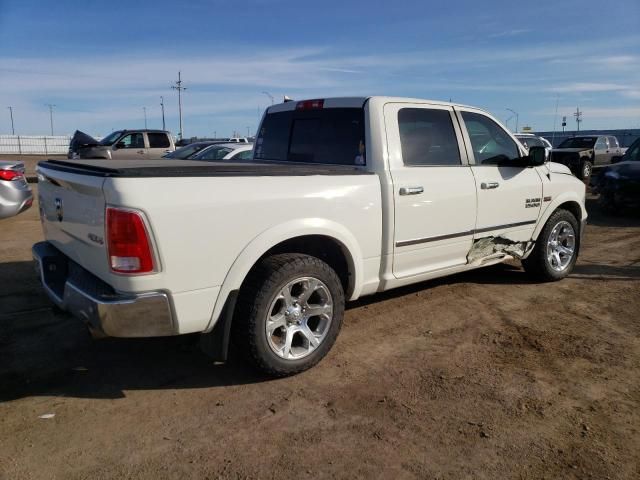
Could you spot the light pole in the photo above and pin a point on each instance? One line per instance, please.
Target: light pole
(51, 116)
(248, 134)
(144, 109)
(13, 130)
(178, 86)
(162, 107)
(517, 116)
(270, 96)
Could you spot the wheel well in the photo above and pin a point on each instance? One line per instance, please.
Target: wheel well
(327, 249)
(573, 207)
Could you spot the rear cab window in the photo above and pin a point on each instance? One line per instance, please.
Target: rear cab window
(158, 140)
(314, 135)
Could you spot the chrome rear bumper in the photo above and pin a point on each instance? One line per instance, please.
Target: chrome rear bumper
(115, 314)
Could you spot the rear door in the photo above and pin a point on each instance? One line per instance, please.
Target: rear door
(509, 197)
(614, 148)
(159, 144)
(434, 190)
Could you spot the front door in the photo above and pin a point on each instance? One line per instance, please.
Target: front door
(509, 197)
(434, 190)
(129, 146)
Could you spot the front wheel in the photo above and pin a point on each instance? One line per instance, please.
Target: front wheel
(586, 169)
(289, 313)
(556, 250)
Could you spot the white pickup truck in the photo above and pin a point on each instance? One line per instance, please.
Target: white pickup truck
(345, 197)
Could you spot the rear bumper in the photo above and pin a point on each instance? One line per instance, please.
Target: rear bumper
(15, 198)
(111, 313)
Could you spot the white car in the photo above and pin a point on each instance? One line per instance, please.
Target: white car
(532, 140)
(345, 197)
(225, 151)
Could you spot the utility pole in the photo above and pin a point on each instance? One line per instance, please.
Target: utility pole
(51, 116)
(248, 135)
(564, 123)
(144, 109)
(13, 130)
(578, 115)
(162, 107)
(178, 86)
(517, 116)
(270, 96)
(215, 134)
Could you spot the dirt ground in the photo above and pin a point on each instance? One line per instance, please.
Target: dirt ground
(482, 375)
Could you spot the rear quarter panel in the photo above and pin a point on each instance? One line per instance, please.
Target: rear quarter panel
(205, 226)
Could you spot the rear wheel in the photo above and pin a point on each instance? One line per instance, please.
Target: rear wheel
(289, 313)
(556, 249)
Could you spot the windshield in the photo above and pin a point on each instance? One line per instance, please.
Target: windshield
(530, 141)
(111, 138)
(186, 152)
(578, 142)
(327, 136)
(212, 153)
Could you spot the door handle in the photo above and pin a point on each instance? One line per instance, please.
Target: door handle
(411, 190)
(140, 152)
(489, 185)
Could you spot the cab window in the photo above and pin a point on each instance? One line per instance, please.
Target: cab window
(132, 140)
(600, 144)
(427, 137)
(490, 143)
(158, 140)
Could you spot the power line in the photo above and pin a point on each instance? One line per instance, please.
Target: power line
(578, 115)
(144, 109)
(178, 86)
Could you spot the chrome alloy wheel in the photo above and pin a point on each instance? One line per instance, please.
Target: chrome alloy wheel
(561, 246)
(299, 318)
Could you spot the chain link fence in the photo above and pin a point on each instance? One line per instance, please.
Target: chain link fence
(34, 144)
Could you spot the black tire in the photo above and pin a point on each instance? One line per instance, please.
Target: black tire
(586, 169)
(537, 263)
(256, 296)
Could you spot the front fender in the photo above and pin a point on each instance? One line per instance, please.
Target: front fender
(278, 234)
(564, 197)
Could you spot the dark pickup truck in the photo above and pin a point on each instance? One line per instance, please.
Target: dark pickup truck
(583, 153)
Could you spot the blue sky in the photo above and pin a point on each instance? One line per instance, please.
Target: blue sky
(100, 63)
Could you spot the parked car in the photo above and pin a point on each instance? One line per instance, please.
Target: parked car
(225, 151)
(531, 140)
(122, 144)
(582, 153)
(619, 184)
(345, 197)
(191, 149)
(15, 194)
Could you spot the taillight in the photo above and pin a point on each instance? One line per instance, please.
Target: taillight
(10, 175)
(128, 242)
(310, 104)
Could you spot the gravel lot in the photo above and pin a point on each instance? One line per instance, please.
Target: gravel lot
(480, 375)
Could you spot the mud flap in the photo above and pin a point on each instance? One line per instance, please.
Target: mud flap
(215, 344)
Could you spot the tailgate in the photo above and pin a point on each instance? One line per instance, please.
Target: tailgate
(72, 210)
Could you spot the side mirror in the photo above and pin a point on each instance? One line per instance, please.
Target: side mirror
(120, 145)
(537, 156)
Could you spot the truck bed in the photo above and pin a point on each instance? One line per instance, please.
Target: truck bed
(193, 168)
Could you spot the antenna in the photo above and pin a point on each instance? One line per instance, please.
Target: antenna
(178, 86)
